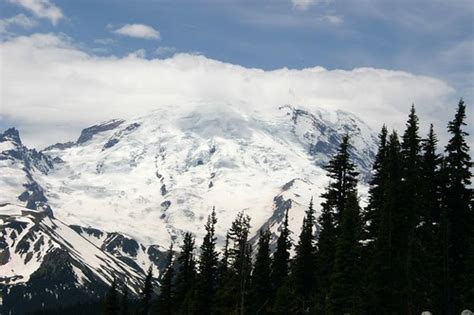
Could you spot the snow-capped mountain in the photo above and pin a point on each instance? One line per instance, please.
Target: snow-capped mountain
(127, 188)
(156, 176)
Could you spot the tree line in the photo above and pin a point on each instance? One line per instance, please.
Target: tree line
(409, 250)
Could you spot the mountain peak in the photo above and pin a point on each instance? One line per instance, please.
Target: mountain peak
(89, 132)
(11, 134)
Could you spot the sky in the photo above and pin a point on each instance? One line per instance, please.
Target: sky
(67, 64)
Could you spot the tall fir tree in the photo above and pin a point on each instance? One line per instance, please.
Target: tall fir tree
(208, 268)
(341, 170)
(372, 217)
(166, 298)
(280, 269)
(261, 288)
(281, 257)
(235, 268)
(345, 293)
(376, 191)
(185, 277)
(303, 262)
(146, 293)
(428, 267)
(458, 208)
(343, 182)
(410, 210)
(225, 291)
(240, 254)
(386, 270)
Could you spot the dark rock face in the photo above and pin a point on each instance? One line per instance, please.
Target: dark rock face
(32, 160)
(88, 133)
(11, 134)
(53, 284)
(60, 146)
(119, 134)
(90, 231)
(118, 241)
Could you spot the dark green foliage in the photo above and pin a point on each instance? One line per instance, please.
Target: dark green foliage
(458, 210)
(410, 209)
(372, 219)
(428, 255)
(208, 268)
(146, 293)
(281, 258)
(166, 297)
(235, 268)
(280, 270)
(186, 276)
(376, 190)
(341, 171)
(303, 262)
(345, 297)
(111, 300)
(224, 293)
(261, 288)
(385, 269)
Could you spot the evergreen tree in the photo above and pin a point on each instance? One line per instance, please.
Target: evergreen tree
(345, 297)
(341, 171)
(280, 270)
(458, 207)
(208, 268)
(372, 217)
(111, 302)
(386, 269)
(240, 254)
(225, 292)
(146, 293)
(166, 297)
(303, 262)
(376, 190)
(410, 210)
(185, 277)
(428, 235)
(261, 286)
(281, 257)
(235, 268)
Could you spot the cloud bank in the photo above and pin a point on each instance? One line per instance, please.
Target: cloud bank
(51, 89)
(138, 31)
(42, 9)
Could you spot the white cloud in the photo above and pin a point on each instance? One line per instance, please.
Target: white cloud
(17, 20)
(165, 50)
(51, 89)
(42, 9)
(305, 4)
(138, 31)
(332, 19)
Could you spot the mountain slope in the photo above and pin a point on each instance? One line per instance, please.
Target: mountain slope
(158, 175)
(46, 261)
